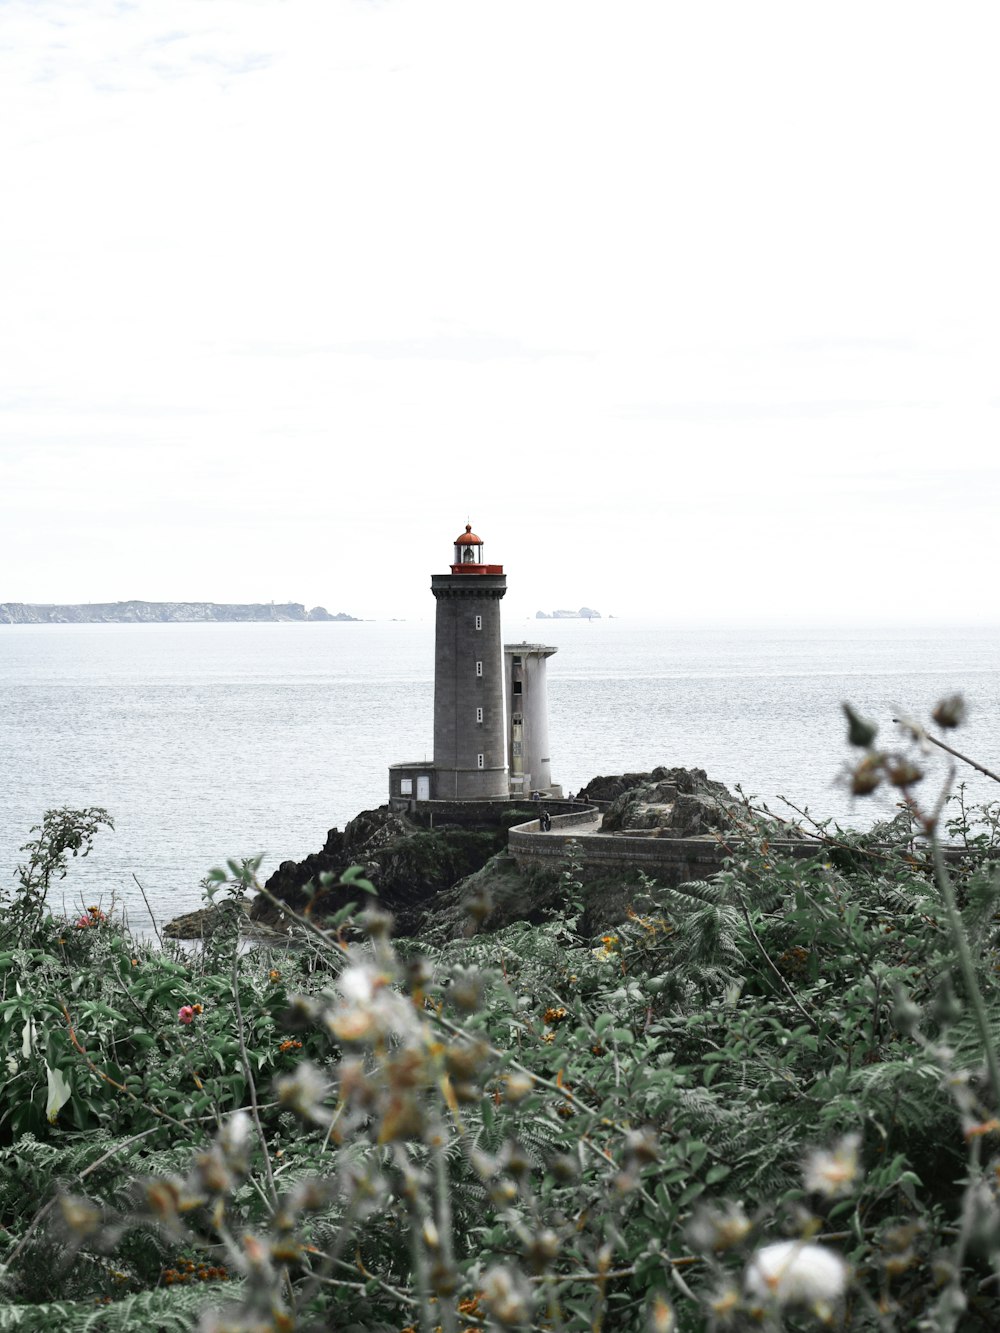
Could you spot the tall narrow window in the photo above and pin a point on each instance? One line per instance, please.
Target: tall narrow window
(479, 622)
(479, 715)
(479, 668)
(481, 758)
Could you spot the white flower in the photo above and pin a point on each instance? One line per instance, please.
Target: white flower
(793, 1272)
(833, 1173)
(359, 983)
(59, 1093)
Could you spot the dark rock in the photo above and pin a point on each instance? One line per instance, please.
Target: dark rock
(407, 864)
(203, 923)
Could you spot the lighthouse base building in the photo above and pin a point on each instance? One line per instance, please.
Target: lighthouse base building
(478, 754)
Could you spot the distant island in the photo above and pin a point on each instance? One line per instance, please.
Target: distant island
(152, 613)
(584, 613)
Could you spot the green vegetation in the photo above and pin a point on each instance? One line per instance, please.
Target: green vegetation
(769, 1100)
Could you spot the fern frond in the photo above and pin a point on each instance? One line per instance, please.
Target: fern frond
(167, 1310)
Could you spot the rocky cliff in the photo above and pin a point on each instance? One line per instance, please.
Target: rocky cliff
(143, 613)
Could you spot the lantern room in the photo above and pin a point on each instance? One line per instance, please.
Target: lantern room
(469, 555)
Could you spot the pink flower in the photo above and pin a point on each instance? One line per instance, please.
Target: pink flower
(185, 1014)
(83, 923)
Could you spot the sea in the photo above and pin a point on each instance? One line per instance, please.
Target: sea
(210, 742)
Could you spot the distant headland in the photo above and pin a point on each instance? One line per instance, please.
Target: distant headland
(584, 613)
(152, 613)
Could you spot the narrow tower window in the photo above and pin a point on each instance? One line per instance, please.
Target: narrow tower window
(479, 668)
(479, 715)
(479, 622)
(480, 759)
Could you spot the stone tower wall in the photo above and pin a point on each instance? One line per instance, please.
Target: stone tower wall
(460, 690)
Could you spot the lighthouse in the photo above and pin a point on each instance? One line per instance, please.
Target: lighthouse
(470, 761)
(470, 734)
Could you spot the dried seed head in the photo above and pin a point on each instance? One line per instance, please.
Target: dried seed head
(867, 775)
(506, 1295)
(860, 731)
(517, 1086)
(376, 923)
(304, 1091)
(515, 1159)
(905, 1014)
(82, 1218)
(479, 904)
(564, 1168)
(503, 1192)
(542, 1249)
(309, 1194)
(444, 1279)
(465, 1059)
(302, 1012)
(641, 1146)
(903, 772)
(661, 1316)
(467, 990)
(419, 973)
(833, 1173)
(234, 1140)
(950, 712)
(718, 1227)
(897, 1264)
(210, 1173)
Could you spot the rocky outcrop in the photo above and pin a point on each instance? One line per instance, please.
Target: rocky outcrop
(669, 802)
(407, 864)
(450, 880)
(584, 613)
(204, 922)
(150, 613)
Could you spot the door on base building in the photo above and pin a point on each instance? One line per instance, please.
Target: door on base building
(423, 789)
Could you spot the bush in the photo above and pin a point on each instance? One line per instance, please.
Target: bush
(765, 1100)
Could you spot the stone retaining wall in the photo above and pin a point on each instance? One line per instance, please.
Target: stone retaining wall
(673, 861)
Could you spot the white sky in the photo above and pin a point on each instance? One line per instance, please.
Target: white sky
(691, 308)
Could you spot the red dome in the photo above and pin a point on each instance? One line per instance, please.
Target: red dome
(468, 537)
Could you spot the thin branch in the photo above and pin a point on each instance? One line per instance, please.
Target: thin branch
(964, 757)
(149, 909)
(119, 1087)
(973, 995)
(248, 1075)
(774, 968)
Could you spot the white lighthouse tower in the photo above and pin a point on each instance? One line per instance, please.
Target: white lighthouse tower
(528, 711)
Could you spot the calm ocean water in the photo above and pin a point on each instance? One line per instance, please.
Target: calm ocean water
(215, 741)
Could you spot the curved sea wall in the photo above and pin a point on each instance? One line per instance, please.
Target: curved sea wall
(673, 861)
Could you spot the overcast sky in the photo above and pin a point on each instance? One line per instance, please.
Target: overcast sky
(691, 308)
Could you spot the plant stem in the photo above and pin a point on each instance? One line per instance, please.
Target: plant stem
(966, 966)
